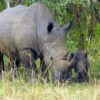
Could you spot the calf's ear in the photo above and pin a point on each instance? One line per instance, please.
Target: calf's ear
(71, 56)
(86, 54)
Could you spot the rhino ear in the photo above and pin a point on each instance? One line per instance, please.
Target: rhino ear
(50, 27)
(67, 26)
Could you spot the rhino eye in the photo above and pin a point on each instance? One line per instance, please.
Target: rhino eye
(50, 27)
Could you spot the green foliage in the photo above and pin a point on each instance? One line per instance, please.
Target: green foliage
(2, 5)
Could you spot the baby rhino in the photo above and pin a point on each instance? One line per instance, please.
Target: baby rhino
(80, 65)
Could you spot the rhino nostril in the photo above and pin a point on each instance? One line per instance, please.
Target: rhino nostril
(51, 58)
(64, 58)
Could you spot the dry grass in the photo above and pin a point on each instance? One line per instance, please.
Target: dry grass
(21, 90)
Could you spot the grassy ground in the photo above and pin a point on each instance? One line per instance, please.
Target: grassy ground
(19, 90)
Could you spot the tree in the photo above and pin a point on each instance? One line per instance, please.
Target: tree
(2, 5)
(7, 2)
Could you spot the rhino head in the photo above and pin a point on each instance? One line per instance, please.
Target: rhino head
(54, 50)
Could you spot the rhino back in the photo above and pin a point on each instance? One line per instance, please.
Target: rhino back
(25, 29)
(33, 29)
(7, 19)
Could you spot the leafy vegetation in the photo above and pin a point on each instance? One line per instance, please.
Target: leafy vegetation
(86, 16)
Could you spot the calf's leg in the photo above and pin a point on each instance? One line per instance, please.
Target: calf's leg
(1, 63)
(43, 68)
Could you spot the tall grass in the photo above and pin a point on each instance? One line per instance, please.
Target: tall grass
(20, 90)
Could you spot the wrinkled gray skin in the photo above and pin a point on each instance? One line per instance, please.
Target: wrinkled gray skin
(26, 32)
(81, 65)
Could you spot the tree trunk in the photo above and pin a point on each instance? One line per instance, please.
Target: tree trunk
(91, 33)
(77, 12)
(7, 3)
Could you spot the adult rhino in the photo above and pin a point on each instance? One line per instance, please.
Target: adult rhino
(28, 32)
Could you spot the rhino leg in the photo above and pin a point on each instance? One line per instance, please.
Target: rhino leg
(57, 77)
(1, 63)
(43, 68)
(28, 60)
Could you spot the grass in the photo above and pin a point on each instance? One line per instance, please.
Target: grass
(19, 90)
